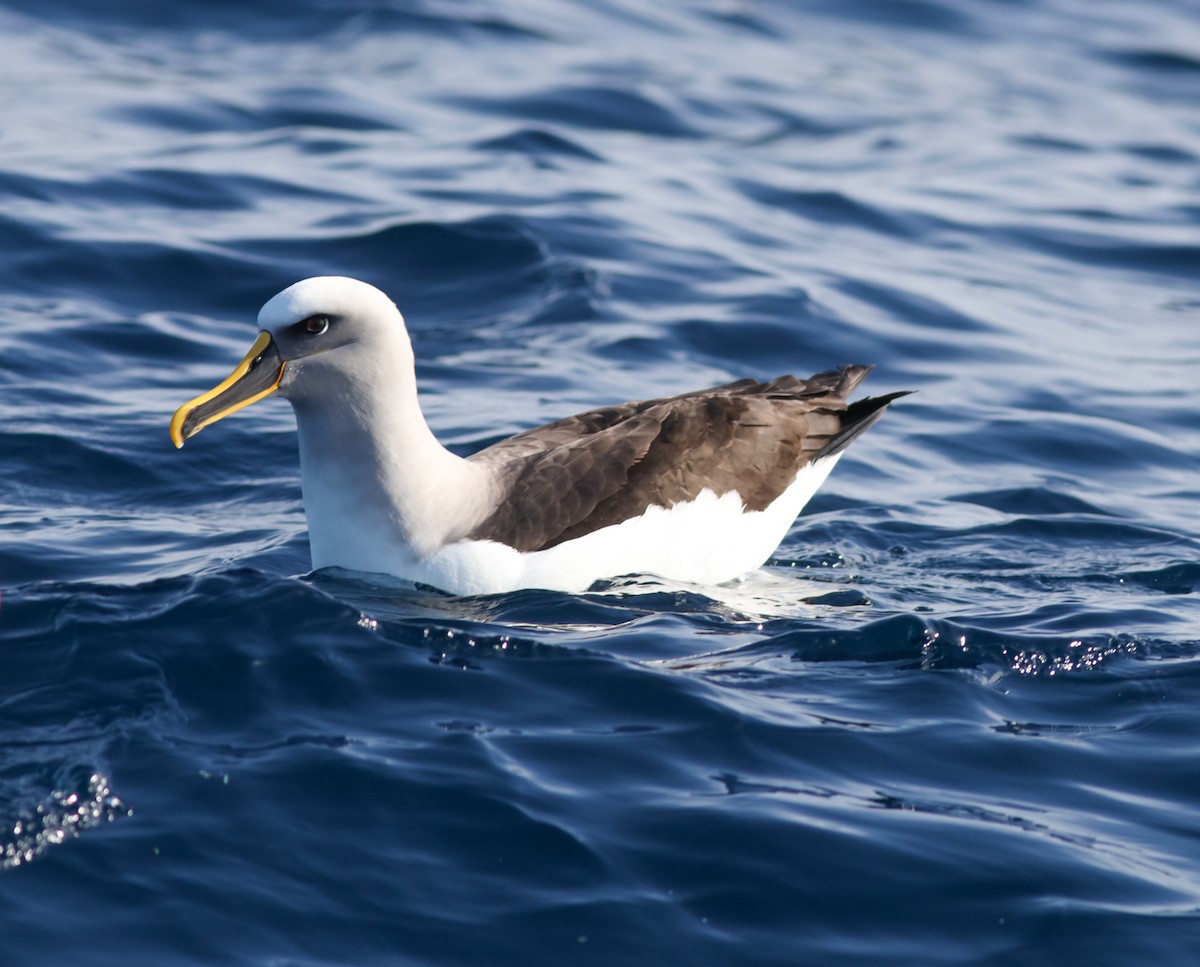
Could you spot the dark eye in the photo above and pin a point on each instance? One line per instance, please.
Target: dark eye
(315, 325)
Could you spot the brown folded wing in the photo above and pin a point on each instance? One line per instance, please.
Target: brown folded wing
(574, 476)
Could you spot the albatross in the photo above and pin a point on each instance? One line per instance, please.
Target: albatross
(698, 488)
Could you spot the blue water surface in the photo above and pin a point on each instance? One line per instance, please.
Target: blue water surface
(955, 721)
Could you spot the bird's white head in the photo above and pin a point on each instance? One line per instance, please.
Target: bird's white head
(319, 338)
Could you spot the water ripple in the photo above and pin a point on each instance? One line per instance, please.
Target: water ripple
(952, 721)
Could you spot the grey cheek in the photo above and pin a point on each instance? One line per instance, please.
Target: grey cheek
(291, 370)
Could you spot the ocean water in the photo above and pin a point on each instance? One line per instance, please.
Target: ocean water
(955, 721)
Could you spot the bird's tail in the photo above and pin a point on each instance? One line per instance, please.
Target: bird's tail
(858, 418)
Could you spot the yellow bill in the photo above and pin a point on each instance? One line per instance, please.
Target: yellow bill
(256, 376)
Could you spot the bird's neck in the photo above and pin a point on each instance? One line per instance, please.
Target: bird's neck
(379, 490)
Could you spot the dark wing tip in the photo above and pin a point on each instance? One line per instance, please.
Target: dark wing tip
(859, 417)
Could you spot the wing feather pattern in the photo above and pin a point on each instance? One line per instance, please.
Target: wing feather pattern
(568, 478)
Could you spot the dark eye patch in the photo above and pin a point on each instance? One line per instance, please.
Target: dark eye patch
(312, 326)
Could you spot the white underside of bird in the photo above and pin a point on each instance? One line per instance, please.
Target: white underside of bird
(710, 540)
